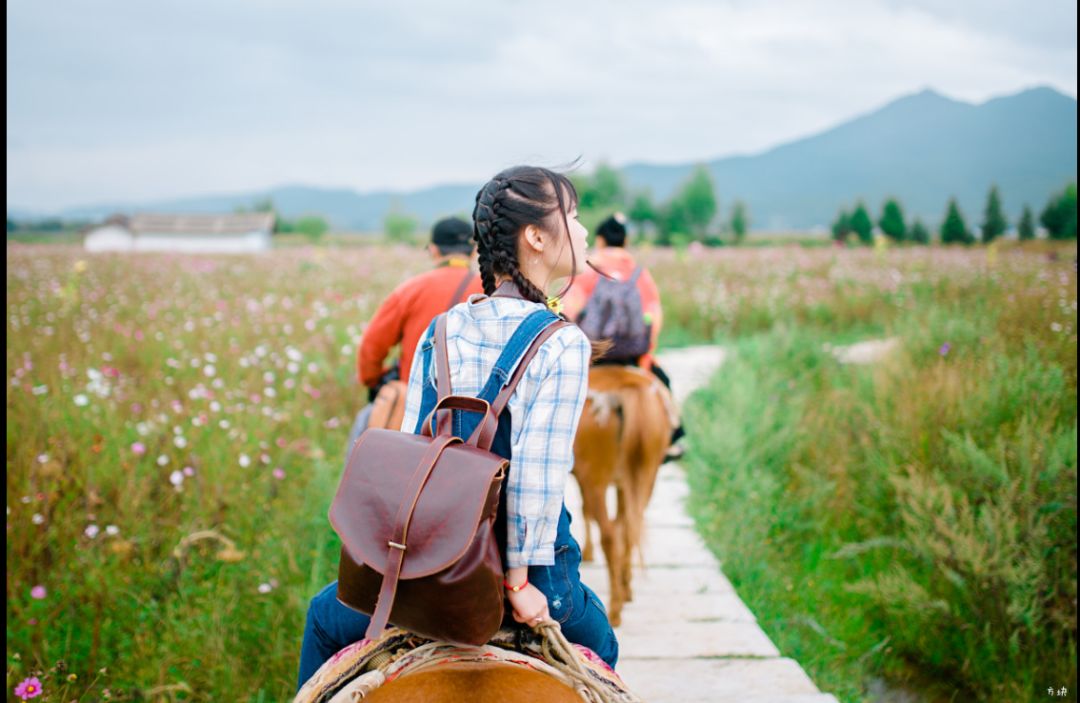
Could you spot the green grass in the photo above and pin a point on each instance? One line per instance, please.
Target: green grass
(916, 519)
(236, 366)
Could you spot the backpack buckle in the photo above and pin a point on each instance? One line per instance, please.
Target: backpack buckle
(395, 545)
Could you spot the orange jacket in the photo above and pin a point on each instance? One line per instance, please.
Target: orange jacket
(405, 315)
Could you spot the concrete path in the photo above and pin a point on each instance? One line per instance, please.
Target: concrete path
(687, 636)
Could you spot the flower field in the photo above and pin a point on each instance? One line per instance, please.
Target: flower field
(176, 426)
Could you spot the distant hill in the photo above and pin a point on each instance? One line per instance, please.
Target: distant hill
(922, 149)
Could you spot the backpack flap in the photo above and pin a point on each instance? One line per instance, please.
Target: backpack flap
(379, 490)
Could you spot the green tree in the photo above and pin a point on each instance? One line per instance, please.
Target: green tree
(674, 222)
(862, 225)
(1059, 215)
(841, 226)
(1025, 228)
(994, 223)
(739, 220)
(312, 226)
(400, 227)
(643, 211)
(698, 199)
(919, 233)
(603, 190)
(954, 229)
(12, 225)
(892, 221)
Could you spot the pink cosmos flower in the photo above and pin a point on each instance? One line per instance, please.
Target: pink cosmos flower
(38, 592)
(278, 473)
(29, 688)
(139, 448)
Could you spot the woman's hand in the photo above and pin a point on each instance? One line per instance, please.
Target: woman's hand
(530, 605)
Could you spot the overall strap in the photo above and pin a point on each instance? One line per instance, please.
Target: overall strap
(514, 350)
(429, 396)
(484, 435)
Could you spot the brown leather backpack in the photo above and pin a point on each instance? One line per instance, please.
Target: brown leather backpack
(416, 513)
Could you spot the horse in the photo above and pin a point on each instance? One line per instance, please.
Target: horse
(624, 433)
(516, 666)
(476, 682)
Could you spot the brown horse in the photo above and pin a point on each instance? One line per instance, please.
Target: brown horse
(624, 434)
(475, 682)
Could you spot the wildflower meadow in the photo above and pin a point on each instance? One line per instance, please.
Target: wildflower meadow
(176, 427)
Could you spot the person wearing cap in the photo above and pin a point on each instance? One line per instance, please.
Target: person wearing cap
(611, 256)
(406, 313)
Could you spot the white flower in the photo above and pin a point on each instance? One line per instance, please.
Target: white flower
(210, 357)
(209, 370)
(162, 460)
(42, 458)
(215, 406)
(180, 442)
(265, 588)
(293, 353)
(269, 392)
(268, 377)
(39, 390)
(37, 518)
(81, 400)
(91, 531)
(112, 530)
(176, 478)
(245, 460)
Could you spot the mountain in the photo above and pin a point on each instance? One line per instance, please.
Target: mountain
(922, 149)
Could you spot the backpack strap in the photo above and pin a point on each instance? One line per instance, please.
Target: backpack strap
(456, 298)
(634, 276)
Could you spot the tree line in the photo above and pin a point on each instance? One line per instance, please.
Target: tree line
(1058, 218)
(690, 214)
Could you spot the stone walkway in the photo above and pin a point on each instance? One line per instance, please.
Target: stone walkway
(687, 636)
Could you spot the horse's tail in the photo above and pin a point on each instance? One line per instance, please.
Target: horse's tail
(631, 503)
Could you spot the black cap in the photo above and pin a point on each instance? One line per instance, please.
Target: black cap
(452, 234)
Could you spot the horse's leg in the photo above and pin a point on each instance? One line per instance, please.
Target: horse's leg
(611, 541)
(478, 683)
(588, 509)
(627, 513)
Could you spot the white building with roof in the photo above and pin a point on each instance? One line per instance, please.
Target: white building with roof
(193, 234)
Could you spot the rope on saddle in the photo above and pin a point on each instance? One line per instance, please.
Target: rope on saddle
(561, 656)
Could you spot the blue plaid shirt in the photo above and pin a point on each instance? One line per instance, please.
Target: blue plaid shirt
(546, 407)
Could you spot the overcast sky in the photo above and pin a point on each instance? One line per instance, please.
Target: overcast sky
(121, 101)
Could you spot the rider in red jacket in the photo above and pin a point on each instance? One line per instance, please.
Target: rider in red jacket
(406, 313)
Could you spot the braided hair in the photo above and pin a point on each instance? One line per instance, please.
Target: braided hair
(513, 199)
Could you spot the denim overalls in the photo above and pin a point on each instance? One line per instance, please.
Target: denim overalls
(581, 615)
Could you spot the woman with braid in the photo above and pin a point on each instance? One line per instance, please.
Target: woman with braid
(528, 237)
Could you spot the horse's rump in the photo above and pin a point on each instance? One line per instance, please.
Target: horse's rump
(401, 666)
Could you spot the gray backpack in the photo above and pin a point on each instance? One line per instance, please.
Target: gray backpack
(614, 312)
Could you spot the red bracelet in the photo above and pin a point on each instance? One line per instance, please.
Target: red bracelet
(515, 589)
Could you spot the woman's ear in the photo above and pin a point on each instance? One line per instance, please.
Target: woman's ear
(534, 238)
